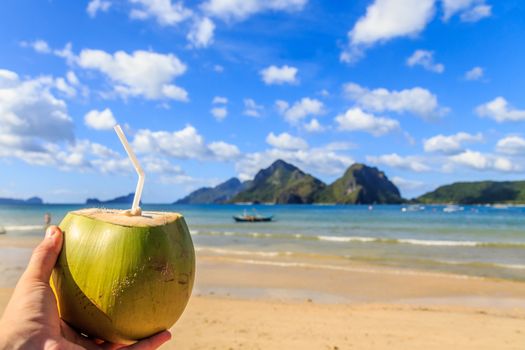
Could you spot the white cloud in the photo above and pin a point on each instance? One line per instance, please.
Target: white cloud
(417, 101)
(100, 120)
(300, 109)
(219, 113)
(321, 160)
(223, 151)
(480, 161)
(513, 145)
(219, 100)
(355, 119)
(385, 20)
(251, 108)
(201, 33)
(142, 73)
(476, 13)
(242, 9)
(218, 68)
(95, 6)
(475, 73)
(425, 59)
(314, 126)
(72, 78)
(164, 12)
(396, 161)
(499, 110)
(39, 46)
(450, 144)
(406, 185)
(469, 10)
(30, 114)
(286, 141)
(274, 75)
(183, 144)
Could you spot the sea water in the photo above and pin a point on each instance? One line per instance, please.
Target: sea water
(470, 240)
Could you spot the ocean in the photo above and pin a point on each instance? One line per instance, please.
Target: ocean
(469, 240)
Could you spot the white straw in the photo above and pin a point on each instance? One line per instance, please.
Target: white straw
(138, 168)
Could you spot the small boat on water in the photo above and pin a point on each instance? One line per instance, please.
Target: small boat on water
(453, 208)
(252, 218)
(413, 207)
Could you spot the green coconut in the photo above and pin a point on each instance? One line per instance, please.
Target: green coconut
(122, 278)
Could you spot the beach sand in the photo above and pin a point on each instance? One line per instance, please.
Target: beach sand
(280, 303)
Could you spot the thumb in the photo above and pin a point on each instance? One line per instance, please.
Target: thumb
(45, 255)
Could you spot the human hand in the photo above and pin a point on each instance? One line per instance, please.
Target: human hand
(31, 319)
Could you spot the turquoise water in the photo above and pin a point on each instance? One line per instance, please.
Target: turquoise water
(480, 241)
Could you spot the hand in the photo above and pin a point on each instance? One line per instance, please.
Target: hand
(31, 319)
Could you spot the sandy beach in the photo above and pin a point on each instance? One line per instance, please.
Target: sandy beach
(307, 303)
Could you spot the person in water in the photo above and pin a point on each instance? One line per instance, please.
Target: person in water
(47, 219)
(31, 319)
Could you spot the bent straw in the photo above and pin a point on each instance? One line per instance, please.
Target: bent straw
(138, 168)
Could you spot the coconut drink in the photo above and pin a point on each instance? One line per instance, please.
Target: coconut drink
(123, 275)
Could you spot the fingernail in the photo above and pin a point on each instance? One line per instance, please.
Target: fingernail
(51, 231)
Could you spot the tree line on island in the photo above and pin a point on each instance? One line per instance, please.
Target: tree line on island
(284, 183)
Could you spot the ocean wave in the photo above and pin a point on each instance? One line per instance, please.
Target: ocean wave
(223, 251)
(366, 239)
(24, 228)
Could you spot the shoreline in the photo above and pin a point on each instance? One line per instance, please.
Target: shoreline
(285, 302)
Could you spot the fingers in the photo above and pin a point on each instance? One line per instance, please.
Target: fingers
(151, 343)
(45, 255)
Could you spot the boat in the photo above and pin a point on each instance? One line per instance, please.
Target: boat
(413, 207)
(453, 208)
(252, 218)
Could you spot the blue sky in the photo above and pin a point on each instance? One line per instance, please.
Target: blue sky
(430, 91)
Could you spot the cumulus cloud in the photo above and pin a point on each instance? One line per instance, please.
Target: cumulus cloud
(286, 141)
(500, 110)
(425, 59)
(251, 108)
(512, 145)
(201, 33)
(320, 160)
(274, 75)
(300, 109)
(100, 120)
(385, 20)
(476, 73)
(241, 9)
(314, 126)
(164, 12)
(396, 161)
(417, 100)
(480, 161)
(219, 113)
(30, 114)
(355, 119)
(183, 144)
(450, 144)
(141, 73)
(95, 6)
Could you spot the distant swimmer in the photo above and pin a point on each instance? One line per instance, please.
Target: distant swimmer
(47, 219)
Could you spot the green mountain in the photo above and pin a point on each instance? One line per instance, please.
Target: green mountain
(127, 199)
(361, 184)
(13, 201)
(482, 192)
(218, 194)
(281, 183)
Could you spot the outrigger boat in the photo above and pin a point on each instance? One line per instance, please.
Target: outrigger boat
(252, 218)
